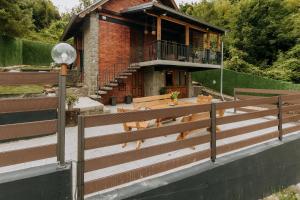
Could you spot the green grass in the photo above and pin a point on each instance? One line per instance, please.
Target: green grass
(35, 68)
(24, 89)
(232, 79)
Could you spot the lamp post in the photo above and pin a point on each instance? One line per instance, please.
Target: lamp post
(64, 55)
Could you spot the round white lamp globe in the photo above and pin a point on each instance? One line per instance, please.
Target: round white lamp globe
(63, 53)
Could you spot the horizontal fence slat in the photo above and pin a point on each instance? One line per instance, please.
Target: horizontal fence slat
(291, 129)
(107, 119)
(128, 156)
(119, 138)
(246, 116)
(27, 78)
(264, 91)
(292, 118)
(135, 174)
(246, 97)
(23, 130)
(291, 108)
(27, 155)
(246, 129)
(248, 142)
(28, 104)
(291, 97)
(248, 102)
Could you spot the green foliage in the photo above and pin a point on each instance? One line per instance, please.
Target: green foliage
(43, 13)
(260, 34)
(36, 53)
(14, 51)
(71, 99)
(15, 18)
(10, 51)
(232, 79)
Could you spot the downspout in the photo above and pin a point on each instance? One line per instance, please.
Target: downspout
(221, 79)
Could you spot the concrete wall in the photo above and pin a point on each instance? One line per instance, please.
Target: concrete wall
(245, 175)
(190, 85)
(46, 183)
(91, 52)
(153, 81)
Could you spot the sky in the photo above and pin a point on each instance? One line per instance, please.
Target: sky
(67, 5)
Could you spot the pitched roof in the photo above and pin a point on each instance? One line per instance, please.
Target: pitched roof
(167, 5)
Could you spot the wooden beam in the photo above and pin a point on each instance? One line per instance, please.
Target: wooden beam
(176, 21)
(219, 42)
(187, 35)
(158, 27)
(208, 40)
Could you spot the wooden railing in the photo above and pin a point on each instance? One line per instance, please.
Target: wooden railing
(30, 129)
(270, 118)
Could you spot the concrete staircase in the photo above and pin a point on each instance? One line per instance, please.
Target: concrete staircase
(113, 78)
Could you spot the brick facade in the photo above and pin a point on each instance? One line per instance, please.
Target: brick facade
(114, 47)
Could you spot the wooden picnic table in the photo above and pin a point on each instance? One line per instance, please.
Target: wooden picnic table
(169, 105)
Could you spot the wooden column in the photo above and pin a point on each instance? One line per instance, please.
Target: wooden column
(187, 35)
(219, 42)
(158, 27)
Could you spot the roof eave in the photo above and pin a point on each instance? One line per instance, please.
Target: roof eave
(149, 6)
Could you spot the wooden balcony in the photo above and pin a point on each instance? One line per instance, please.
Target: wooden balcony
(162, 52)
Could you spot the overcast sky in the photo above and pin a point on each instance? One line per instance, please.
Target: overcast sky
(66, 5)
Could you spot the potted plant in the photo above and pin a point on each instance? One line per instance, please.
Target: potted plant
(163, 90)
(71, 99)
(128, 99)
(174, 97)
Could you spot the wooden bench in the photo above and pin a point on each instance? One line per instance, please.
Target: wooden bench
(148, 102)
(128, 126)
(199, 116)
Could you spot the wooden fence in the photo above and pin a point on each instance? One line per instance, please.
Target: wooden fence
(274, 117)
(30, 129)
(252, 93)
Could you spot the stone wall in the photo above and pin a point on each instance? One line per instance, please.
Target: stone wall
(91, 52)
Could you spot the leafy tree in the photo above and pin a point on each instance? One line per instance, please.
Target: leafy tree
(15, 18)
(43, 13)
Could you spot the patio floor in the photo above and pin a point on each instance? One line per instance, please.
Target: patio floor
(71, 145)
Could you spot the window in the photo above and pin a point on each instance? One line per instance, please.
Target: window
(176, 78)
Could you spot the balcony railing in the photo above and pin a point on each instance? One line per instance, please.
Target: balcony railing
(165, 50)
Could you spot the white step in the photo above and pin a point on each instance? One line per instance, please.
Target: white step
(112, 84)
(122, 77)
(106, 88)
(125, 74)
(130, 71)
(101, 92)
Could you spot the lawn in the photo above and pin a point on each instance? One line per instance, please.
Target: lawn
(24, 89)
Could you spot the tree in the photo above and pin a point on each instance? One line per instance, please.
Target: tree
(15, 18)
(43, 13)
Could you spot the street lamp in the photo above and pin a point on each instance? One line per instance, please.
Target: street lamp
(63, 54)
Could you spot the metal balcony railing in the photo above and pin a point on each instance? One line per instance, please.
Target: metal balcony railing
(166, 50)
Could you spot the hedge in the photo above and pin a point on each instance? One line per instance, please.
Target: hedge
(232, 79)
(36, 53)
(15, 51)
(10, 51)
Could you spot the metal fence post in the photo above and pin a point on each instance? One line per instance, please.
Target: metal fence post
(280, 116)
(234, 96)
(80, 159)
(61, 120)
(213, 131)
